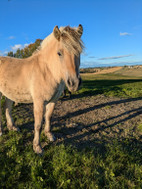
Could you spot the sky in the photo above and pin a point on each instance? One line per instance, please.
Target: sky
(112, 32)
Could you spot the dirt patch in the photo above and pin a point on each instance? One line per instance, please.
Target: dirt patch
(108, 70)
(86, 121)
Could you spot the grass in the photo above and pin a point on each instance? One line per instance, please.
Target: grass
(140, 127)
(117, 164)
(110, 85)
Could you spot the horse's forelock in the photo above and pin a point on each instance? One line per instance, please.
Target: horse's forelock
(71, 40)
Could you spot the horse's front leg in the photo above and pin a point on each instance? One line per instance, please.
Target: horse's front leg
(38, 116)
(10, 122)
(49, 110)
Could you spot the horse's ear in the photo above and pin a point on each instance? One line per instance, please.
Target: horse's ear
(80, 30)
(56, 33)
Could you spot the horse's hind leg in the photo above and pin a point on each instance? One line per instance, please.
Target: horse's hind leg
(0, 116)
(10, 123)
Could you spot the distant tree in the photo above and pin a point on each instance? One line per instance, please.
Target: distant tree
(18, 53)
(27, 51)
(10, 54)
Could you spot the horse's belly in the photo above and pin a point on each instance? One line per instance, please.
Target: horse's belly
(19, 96)
(19, 93)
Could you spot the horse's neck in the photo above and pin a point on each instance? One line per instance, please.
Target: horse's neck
(47, 65)
(42, 67)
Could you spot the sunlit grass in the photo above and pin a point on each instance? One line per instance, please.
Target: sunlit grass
(110, 85)
(118, 165)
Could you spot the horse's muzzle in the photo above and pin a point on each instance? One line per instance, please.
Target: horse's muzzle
(73, 83)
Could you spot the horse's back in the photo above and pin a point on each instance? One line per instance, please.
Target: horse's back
(10, 65)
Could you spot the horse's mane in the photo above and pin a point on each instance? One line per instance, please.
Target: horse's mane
(70, 39)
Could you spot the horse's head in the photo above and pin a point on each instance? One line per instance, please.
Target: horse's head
(68, 49)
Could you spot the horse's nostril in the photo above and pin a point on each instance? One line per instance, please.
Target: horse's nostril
(70, 82)
(73, 83)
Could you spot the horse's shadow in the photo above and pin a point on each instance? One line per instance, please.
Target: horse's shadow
(77, 140)
(80, 112)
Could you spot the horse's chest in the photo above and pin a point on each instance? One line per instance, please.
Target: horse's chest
(58, 91)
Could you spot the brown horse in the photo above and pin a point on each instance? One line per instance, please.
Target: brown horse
(41, 78)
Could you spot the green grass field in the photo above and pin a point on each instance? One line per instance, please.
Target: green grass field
(111, 85)
(115, 165)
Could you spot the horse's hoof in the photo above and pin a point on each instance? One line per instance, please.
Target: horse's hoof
(38, 149)
(51, 137)
(14, 128)
(0, 133)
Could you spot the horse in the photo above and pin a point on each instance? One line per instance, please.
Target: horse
(41, 78)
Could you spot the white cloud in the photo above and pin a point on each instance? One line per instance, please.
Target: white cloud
(18, 46)
(11, 37)
(13, 48)
(84, 54)
(115, 57)
(87, 64)
(3, 53)
(26, 44)
(125, 34)
(91, 57)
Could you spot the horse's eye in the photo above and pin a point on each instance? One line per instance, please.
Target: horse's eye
(59, 53)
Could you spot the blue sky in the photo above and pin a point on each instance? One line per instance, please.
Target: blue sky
(112, 29)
